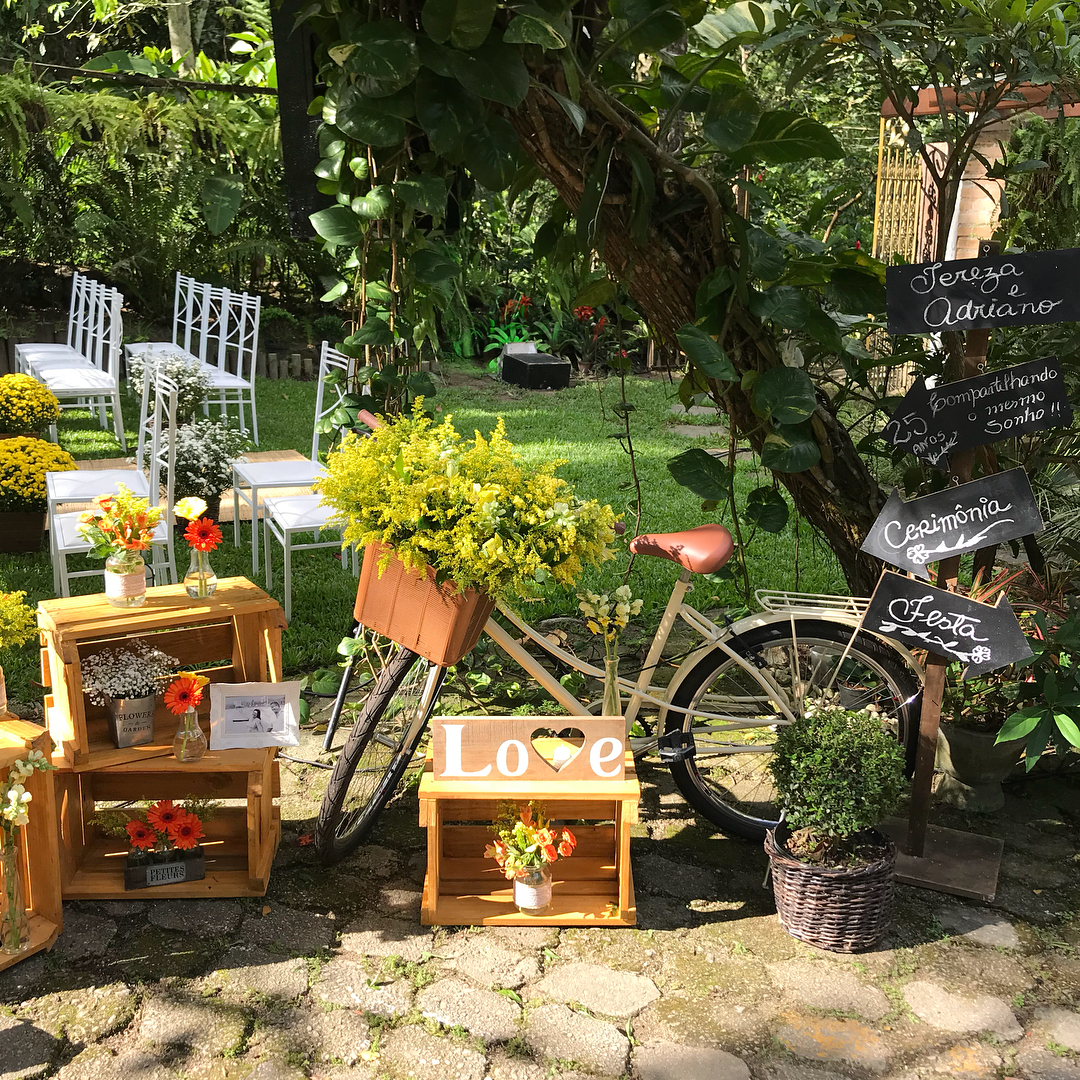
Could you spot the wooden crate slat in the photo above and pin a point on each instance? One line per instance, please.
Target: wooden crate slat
(200, 644)
(577, 869)
(497, 909)
(464, 841)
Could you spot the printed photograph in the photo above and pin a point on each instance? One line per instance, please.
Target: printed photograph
(254, 715)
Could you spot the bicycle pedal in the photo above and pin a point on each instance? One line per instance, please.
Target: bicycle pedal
(675, 746)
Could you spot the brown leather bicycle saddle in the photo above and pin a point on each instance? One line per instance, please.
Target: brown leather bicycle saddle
(702, 550)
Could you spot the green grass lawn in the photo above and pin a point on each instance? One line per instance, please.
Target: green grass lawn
(566, 424)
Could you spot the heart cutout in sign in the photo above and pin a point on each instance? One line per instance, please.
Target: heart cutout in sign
(558, 748)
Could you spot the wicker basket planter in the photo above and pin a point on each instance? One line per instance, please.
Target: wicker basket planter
(840, 909)
(20, 531)
(436, 621)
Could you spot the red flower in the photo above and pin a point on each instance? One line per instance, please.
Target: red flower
(550, 854)
(140, 835)
(163, 813)
(858, 245)
(569, 838)
(582, 313)
(600, 324)
(186, 832)
(203, 534)
(623, 353)
(184, 693)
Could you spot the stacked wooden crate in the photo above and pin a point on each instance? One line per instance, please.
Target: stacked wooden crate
(232, 636)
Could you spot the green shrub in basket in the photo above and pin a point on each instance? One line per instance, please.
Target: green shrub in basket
(838, 774)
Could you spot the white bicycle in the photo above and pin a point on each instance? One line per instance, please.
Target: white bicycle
(712, 723)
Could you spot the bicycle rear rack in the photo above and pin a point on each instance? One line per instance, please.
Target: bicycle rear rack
(807, 603)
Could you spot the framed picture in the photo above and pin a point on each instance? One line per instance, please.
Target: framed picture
(255, 714)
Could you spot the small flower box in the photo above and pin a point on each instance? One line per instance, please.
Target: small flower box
(180, 867)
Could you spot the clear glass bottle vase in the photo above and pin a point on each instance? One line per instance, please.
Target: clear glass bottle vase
(190, 742)
(612, 700)
(200, 580)
(125, 579)
(14, 922)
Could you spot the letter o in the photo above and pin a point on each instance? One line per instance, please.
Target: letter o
(501, 762)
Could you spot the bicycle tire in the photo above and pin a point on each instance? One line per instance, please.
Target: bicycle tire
(734, 798)
(357, 793)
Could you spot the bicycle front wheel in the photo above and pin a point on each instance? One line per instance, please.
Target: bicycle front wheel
(377, 753)
(727, 779)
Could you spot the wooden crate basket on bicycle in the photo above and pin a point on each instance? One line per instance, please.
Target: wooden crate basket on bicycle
(582, 777)
(233, 636)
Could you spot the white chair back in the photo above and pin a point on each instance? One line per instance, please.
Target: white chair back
(219, 326)
(107, 330)
(78, 312)
(331, 363)
(163, 434)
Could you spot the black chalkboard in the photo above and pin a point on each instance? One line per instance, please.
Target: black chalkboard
(989, 511)
(969, 294)
(933, 422)
(924, 617)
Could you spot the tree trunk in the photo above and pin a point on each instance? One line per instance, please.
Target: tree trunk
(179, 12)
(839, 496)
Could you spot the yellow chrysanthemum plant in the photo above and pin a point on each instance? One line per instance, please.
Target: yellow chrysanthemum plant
(17, 626)
(23, 465)
(27, 407)
(470, 508)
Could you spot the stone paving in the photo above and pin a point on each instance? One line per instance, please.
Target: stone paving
(331, 977)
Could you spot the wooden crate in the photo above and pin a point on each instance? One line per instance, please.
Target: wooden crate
(593, 887)
(240, 840)
(39, 868)
(238, 630)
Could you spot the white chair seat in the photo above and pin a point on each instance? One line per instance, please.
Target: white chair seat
(160, 348)
(279, 473)
(81, 485)
(45, 357)
(71, 380)
(298, 513)
(224, 380)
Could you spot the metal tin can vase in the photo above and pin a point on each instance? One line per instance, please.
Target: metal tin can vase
(125, 579)
(14, 922)
(131, 720)
(532, 890)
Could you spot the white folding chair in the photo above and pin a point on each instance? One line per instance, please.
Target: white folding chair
(96, 383)
(229, 353)
(251, 477)
(81, 314)
(186, 312)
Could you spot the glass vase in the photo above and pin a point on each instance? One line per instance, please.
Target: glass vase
(125, 579)
(14, 922)
(612, 698)
(532, 890)
(200, 580)
(190, 742)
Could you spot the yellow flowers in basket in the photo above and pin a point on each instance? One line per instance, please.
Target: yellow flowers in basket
(23, 465)
(470, 508)
(26, 406)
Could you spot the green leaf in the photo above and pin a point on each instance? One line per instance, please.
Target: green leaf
(652, 24)
(464, 23)
(337, 225)
(547, 236)
(495, 72)
(703, 474)
(705, 353)
(574, 111)
(424, 193)
(1067, 726)
(375, 331)
(855, 292)
(446, 111)
(377, 203)
(492, 153)
(785, 305)
(362, 119)
(643, 192)
(767, 259)
(385, 58)
(790, 449)
(419, 382)
(786, 394)
(338, 291)
(596, 293)
(783, 136)
(329, 168)
(221, 197)
(767, 509)
(431, 267)
(731, 117)
(534, 26)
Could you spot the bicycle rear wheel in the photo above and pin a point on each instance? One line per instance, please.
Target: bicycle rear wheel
(376, 754)
(727, 779)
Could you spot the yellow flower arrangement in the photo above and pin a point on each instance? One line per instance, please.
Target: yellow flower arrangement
(26, 406)
(23, 465)
(472, 509)
(17, 622)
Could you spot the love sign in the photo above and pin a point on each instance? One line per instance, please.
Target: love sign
(498, 748)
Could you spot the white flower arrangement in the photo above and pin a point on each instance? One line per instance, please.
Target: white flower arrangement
(14, 798)
(131, 672)
(205, 452)
(192, 381)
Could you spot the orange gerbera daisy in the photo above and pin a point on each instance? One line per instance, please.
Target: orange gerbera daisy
(203, 534)
(140, 835)
(163, 813)
(186, 832)
(184, 693)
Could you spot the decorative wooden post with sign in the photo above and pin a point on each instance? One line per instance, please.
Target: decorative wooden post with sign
(944, 426)
(578, 767)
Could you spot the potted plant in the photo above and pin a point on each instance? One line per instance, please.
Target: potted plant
(14, 813)
(125, 680)
(164, 840)
(119, 529)
(838, 774)
(525, 847)
(450, 525)
(23, 500)
(27, 407)
(205, 452)
(192, 381)
(17, 626)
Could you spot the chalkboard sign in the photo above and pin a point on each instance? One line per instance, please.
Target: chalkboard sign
(933, 422)
(924, 617)
(977, 294)
(952, 522)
